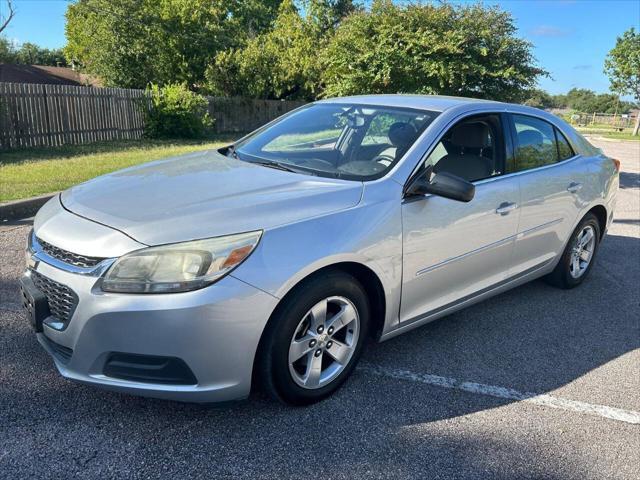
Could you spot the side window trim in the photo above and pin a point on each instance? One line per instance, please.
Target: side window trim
(508, 130)
(555, 135)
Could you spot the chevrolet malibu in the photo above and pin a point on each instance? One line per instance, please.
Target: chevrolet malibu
(272, 260)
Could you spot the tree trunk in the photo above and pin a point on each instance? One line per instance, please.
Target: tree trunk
(637, 127)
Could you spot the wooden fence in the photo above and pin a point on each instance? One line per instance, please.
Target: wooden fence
(33, 115)
(614, 121)
(235, 114)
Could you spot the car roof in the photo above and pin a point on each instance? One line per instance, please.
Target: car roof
(437, 103)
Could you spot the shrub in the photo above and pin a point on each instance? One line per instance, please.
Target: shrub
(176, 112)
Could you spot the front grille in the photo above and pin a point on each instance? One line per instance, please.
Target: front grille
(61, 299)
(69, 257)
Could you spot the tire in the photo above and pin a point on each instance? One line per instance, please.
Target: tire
(299, 320)
(564, 275)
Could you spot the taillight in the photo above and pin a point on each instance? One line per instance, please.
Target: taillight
(616, 164)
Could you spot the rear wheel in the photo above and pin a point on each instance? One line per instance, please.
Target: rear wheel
(578, 256)
(315, 339)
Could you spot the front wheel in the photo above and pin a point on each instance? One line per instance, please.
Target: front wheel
(315, 339)
(578, 256)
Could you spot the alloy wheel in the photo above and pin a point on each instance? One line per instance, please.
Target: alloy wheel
(582, 251)
(324, 342)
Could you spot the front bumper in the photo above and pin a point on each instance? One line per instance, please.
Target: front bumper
(215, 331)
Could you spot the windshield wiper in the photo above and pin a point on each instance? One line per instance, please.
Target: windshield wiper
(231, 152)
(276, 165)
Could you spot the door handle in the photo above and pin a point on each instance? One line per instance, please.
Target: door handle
(574, 187)
(505, 208)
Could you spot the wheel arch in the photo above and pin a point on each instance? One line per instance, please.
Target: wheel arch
(600, 213)
(369, 280)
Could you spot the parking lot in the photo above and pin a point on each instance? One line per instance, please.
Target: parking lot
(533, 383)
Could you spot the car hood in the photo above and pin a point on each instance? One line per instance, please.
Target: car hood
(205, 194)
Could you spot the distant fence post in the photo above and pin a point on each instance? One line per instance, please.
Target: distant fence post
(47, 111)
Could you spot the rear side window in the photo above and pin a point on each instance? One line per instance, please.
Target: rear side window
(536, 143)
(564, 149)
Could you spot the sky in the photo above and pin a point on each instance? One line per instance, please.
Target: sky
(571, 38)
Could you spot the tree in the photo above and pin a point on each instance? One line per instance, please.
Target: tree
(468, 50)
(7, 51)
(30, 54)
(581, 100)
(622, 66)
(540, 99)
(283, 62)
(129, 43)
(5, 18)
(325, 15)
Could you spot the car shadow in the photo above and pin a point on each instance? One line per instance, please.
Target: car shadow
(533, 339)
(21, 222)
(629, 180)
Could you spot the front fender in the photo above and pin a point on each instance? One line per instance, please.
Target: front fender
(369, 234)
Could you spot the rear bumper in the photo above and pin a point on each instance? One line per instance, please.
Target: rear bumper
(214, 331)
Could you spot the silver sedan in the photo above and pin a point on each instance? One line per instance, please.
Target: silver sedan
(270, 261)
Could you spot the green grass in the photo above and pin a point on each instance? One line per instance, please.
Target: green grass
(30, 172)
(609, 134)
(603, 126)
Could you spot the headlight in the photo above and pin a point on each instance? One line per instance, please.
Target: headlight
(179, 267)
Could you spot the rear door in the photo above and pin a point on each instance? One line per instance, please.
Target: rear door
(551, 182)
(452, 249)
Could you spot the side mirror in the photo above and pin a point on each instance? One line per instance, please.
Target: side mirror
(442, 184)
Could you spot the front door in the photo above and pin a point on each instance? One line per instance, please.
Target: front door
(451, 249)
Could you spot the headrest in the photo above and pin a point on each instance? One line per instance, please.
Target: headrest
(528, 138)
(471, 135)
(401, 134)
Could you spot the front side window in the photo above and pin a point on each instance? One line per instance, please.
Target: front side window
(473, 149)
(535, 143)
(355, 142)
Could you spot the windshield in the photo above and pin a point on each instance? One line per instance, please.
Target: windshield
(355, 142)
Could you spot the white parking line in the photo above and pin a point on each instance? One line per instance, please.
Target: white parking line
(619, 414)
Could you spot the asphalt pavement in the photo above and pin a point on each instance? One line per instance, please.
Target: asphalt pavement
(533, 383)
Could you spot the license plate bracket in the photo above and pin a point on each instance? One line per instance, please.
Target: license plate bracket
(35, 303)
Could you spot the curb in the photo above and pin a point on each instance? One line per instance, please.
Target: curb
(19, 209)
